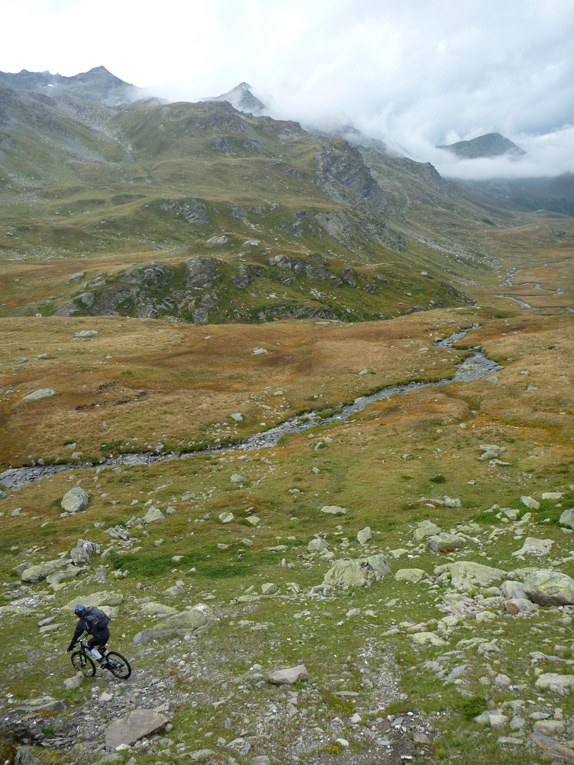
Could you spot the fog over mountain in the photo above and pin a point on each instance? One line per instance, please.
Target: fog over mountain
(416, 75)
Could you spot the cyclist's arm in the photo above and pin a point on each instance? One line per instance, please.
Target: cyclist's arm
(80, 629)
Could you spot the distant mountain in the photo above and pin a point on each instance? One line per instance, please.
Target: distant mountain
(553, 194)
(242, 99)
(96, 85)
(484, 147)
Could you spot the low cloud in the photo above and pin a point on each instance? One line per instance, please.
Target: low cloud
(416, 74)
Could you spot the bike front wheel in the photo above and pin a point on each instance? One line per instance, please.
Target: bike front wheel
(83, 664)
(118, 665)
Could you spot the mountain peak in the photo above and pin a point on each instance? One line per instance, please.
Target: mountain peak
(241, 98)
(484, 147)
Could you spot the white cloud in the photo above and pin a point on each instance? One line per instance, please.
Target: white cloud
(419, 73)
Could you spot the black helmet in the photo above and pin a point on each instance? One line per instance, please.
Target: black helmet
(79, 610)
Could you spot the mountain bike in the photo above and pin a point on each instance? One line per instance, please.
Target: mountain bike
(83, 661)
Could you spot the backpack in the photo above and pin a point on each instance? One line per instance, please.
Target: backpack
(97, 619)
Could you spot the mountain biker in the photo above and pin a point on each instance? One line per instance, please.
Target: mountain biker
(95, 622)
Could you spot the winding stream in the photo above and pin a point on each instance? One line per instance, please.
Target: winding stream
(473, 367)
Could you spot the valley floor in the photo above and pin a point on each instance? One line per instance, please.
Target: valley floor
(459, 653)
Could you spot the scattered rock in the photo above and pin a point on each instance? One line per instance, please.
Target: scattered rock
(259, 351)
(567, 518)
(236, 417)
(136, 725)
(364, 535)
(25, 756)
(288, 676)
(101, 599)
(238, 478)
(226, 517)
(153, 608)
(74, 500)
(195, 620)
(82, 553)
(73, 683)
(357, 572)
(317, 545)
(553, 681)
(38, 394)
(466, 575)
(34, 574)
(86, 333)
(534, 546)
(445, 542)
(426, 529)
(333, 510)
(414, 575)
(153, 515)
(530, 503)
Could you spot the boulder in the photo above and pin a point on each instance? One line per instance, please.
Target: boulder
(534, 546)
(195, 620)
(364, 535)
(98, 599)
(82, 553)
(238, 478)
(34, 574)
(513, 590)
(517, 606)
(153, 515)
(414, 575)
(466, 575)
(333, 510)
(268, 588)
(25, 756)
(428, 638)
(36, 395)
(136, 725)
(567, 518)
(530, 503)
(425, 529)
(201, 755)
(73, 683)
(226, 517)
(157, 609)
(549, 588)
(74, 500)
(357, 572)
(288, 676)
(317, 545)
(445, 542)
(553, 681)
(236, 417)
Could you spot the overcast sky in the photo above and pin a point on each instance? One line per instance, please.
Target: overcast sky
(414, 72)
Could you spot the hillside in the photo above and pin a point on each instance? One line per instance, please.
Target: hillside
(297, 414)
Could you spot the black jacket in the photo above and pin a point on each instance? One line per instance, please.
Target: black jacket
(86, 624)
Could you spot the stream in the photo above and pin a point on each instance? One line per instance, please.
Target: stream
(473, 367)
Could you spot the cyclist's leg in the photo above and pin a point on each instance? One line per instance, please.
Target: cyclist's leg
(99, 639)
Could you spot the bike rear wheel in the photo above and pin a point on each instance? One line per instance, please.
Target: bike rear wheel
(82, 663)
(118, 665)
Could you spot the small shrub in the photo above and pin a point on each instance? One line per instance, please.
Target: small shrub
(474, 707)
(438, 479)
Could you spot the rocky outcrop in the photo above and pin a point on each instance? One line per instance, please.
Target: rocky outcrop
(83, 551)
(201, 271)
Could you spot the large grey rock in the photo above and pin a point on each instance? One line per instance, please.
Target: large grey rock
(34, 574)
(25, 756)
(201, 755)
(136, 725)
(425, 529)
(554, 682)
(445, 542)
(82, 553)
(75, 500)
(549, 588)
(513, 590)
(317, 545)
(154, 608)
(153, 515)
(364, 535)
(530, 502)
(73, 683)
(36, 395)
(534, 546)
(288, 676)
(466, 575)
(567, 518)
(413, 575)
(41, 704)
(97, 599)
(333, 510)
(357, 572)
(195, 620)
